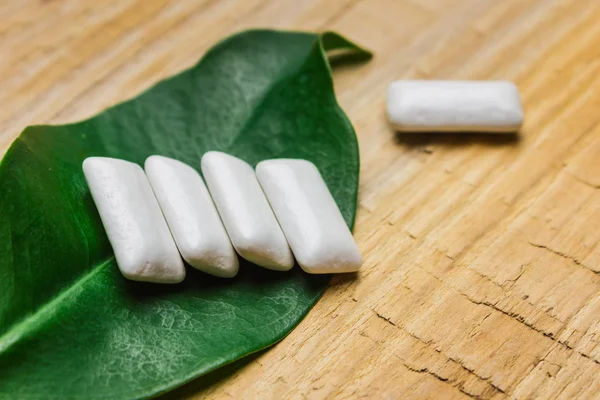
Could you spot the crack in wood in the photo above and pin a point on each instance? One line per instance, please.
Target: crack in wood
(440, 378)
(423, 370)
(511, 282)
(512, 315)
(428, 343)
(565, 256)
(581, 180)
(486, 379)
(457, 290)
(363, 334)
(519, 318)
(389, 321)
(474, 330)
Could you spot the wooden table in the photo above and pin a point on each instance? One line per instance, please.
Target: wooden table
(482, 262)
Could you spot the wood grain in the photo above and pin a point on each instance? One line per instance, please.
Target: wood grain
(482, 255)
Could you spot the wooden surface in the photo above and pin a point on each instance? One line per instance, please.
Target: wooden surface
(482, 255)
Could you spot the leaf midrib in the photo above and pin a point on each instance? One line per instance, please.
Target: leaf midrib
(260, 103)
(36, 320)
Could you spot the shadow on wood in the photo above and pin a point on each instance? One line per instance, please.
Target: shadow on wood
(451, 139)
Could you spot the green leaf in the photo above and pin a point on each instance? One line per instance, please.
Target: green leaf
(70, 325)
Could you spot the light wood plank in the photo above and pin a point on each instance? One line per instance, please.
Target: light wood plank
(482, 255)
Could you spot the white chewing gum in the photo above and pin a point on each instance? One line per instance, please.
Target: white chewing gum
(245, 211)
(137, 231)
(454, 106)
(309, 216)
(192, 217)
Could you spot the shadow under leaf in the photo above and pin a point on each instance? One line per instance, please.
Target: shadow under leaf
(348, 59)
